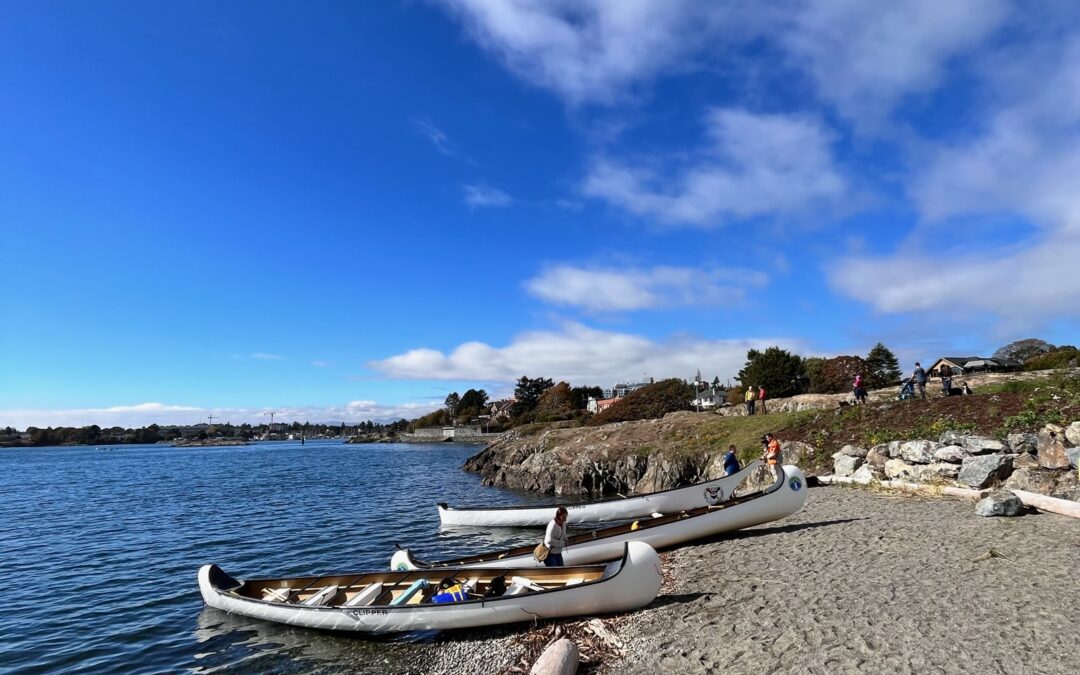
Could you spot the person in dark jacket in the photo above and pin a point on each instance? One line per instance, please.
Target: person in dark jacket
(731, 462)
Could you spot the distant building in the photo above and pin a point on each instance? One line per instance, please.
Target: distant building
(501, 409)
(973, 364)
(710, 397)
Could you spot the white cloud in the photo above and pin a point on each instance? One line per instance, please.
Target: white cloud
(440, 140)
(1023, 163)
(865, 56)
(319, 363)
(593, 50)
(143, 414)
(752, 165)
(483, 195)
(625, 289)
(579, 355)
(263, 356)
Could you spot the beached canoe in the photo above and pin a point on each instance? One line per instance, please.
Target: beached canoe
(439, 599)
(624, 508)
(784, 497)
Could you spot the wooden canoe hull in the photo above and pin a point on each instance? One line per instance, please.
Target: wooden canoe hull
(786, 496)
(627, 584)
(639, 506)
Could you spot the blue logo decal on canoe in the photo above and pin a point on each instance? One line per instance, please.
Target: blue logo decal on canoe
(795, 483)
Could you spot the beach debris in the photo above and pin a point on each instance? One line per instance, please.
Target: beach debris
(560, 658)
(999, 503)
(992, 553)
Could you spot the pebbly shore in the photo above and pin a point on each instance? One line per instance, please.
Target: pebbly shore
(857, 581)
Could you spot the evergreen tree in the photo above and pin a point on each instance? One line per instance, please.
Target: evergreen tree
(778, 370)
(528, 391)
(882, 368)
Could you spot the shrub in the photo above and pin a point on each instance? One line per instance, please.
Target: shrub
(1062, 357)
(650, 402)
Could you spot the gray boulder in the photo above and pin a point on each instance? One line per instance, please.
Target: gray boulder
(877, 456)
(797, 452)
(951, 438)
(918, 452)
(999, 503)
(1025, 442)
(1072, 433)
(865, 474)
(980, 445)
(845, 465)
(853, 451)
(937, 471)
(1039, 481)
(1074, 457)
(898, 468)
(1025, 461)
(1052, 448)
(950, 453)
(979, 471)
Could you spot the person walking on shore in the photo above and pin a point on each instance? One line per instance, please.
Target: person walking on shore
(731, 462)
(761, 400)
(750, 396)
(773, 456)
(919, 378)
(555, 538)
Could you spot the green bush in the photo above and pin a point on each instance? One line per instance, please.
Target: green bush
(1062, 357)
(650, 402)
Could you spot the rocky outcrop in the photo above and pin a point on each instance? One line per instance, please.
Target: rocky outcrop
(845, 465)
(999, 503)
(918, 452)
(1025, 442)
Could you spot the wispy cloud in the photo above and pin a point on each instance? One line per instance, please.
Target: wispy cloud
(482, 195)
(751, 165)
(580, 355)
(440, 140)
(319, 363)
(263, 356)
(625, 289)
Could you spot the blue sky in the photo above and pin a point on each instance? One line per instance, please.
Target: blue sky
(344, 211)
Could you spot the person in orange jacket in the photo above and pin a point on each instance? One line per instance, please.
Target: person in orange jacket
(773, 456)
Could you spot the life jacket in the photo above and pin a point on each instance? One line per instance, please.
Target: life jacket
(772, 452)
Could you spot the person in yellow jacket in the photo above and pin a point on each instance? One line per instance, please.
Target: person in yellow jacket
(773, 456)
(750, 396)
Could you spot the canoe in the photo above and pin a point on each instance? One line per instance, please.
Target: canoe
(784, 497)
(441, 598)
(624, 508)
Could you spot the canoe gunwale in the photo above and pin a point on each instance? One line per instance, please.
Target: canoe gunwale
(619, 565)
(553, 505)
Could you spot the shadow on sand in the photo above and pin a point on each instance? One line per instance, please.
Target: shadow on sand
(765, 531)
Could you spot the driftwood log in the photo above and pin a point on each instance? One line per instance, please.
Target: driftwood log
(1062, 507)
(966, 493)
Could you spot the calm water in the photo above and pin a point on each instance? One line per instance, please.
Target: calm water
(99, 547)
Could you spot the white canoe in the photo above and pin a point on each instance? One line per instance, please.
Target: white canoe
(381, 602)
(624, 508)
(783, 498)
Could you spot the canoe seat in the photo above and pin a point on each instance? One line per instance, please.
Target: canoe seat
(521, 585)
(322, 597)
(411, 591)
(365, 597)
(575, 581)
(470, 585)
(277, 594)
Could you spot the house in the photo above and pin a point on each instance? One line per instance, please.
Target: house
(970, 364)
(710, 397)
(501, 409)
(598, 405)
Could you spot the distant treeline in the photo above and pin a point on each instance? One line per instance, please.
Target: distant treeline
(95, 435)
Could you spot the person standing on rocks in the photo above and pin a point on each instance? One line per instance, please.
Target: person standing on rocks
(731, 462)
(750, 396)
(555, 538)
(761, 400)
(919, 378)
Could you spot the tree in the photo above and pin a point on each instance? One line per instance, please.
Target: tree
(556, 403)
(778, 370)
(882, 368)
(528, 392)
(580, 396)
(1022, 350)
(836, 375)
(649, 402)
(451, 403)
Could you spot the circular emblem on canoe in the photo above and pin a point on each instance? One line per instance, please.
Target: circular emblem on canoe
(401, 567)
(713, 495)
(795, 483)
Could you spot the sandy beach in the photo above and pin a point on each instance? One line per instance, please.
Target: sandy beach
(865, 582)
